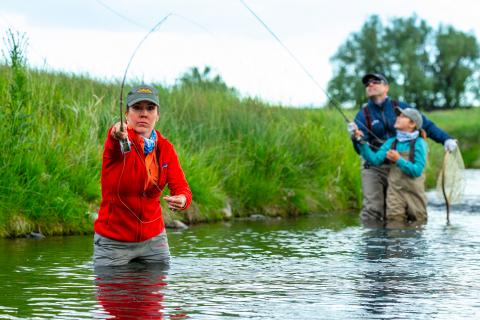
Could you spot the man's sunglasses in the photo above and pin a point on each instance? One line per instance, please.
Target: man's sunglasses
(373, 81)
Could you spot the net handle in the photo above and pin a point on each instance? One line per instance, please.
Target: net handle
(447, 202)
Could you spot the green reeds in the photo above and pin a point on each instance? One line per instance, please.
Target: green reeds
(237, 153)
(240, 155)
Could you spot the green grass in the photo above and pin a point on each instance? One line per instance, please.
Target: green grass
(242, 153)
(462, 125)
(237, 152)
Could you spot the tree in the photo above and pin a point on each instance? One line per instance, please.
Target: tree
(411, 71)
(426, 68)
(194, 78)
(456, 58)
(361, 53)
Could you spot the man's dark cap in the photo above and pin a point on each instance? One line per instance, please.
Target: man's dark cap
(376, 76)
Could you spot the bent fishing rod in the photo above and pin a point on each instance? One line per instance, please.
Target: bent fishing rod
(125, 143)
(126, 18)
(335, 104)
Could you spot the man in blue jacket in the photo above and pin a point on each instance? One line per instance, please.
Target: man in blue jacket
(376, 120)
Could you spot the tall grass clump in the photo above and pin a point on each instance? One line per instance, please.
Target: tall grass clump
(240, 155)
(267, 159)
(50, 147)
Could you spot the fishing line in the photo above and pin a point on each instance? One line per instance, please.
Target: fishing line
(305, 70)
(121, 92)
(125, 144)
(115, 12)
(120, 199)
(193, 22)
(126, 18)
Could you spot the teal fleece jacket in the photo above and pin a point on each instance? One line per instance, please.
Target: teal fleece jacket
(412, 169)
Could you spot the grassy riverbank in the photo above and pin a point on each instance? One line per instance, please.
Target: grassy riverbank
(464, 126)
(240, 155)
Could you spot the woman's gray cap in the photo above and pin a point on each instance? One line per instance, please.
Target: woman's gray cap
(376, 76)
(412, 114)
(142, 93)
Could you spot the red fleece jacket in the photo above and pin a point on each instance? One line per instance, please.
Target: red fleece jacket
(128, 212)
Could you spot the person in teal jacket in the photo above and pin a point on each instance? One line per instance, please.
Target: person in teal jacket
(406, 200)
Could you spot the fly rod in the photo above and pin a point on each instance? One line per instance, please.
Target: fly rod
(125, 143)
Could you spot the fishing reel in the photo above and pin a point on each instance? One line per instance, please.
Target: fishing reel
(352, 127)
(125, 145)
(360, 139)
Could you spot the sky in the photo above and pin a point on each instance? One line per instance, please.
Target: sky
(98, 37)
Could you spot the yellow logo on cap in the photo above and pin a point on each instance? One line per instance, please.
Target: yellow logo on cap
(144, 90)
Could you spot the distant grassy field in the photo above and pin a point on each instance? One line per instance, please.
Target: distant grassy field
(463, 125)
(240, 155)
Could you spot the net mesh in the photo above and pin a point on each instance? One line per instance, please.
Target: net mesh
(451, 179)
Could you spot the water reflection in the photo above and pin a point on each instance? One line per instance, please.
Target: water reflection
(316, 267)
(391, 274)
(133, 291)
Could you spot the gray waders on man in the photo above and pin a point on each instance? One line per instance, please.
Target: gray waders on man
(374, 188)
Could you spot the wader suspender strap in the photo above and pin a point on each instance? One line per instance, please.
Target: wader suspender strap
(394, 104)
(412, 150)
(411, 155)
(368, 118)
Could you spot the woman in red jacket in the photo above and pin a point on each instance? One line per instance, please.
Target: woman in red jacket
(130, 223)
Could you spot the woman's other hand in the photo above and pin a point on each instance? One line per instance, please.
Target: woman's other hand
(176, 202)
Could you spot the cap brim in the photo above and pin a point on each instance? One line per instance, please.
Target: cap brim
(131, 103)
(369, 76)
(375, 76)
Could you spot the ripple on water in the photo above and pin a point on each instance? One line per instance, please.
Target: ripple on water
(309, 268)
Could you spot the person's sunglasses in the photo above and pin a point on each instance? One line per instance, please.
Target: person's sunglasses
(373, 81)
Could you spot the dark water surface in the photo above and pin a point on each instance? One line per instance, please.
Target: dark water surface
(318, 267)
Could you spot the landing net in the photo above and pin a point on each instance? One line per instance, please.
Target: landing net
(451, 179)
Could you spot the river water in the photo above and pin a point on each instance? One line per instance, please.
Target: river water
(316, 267)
